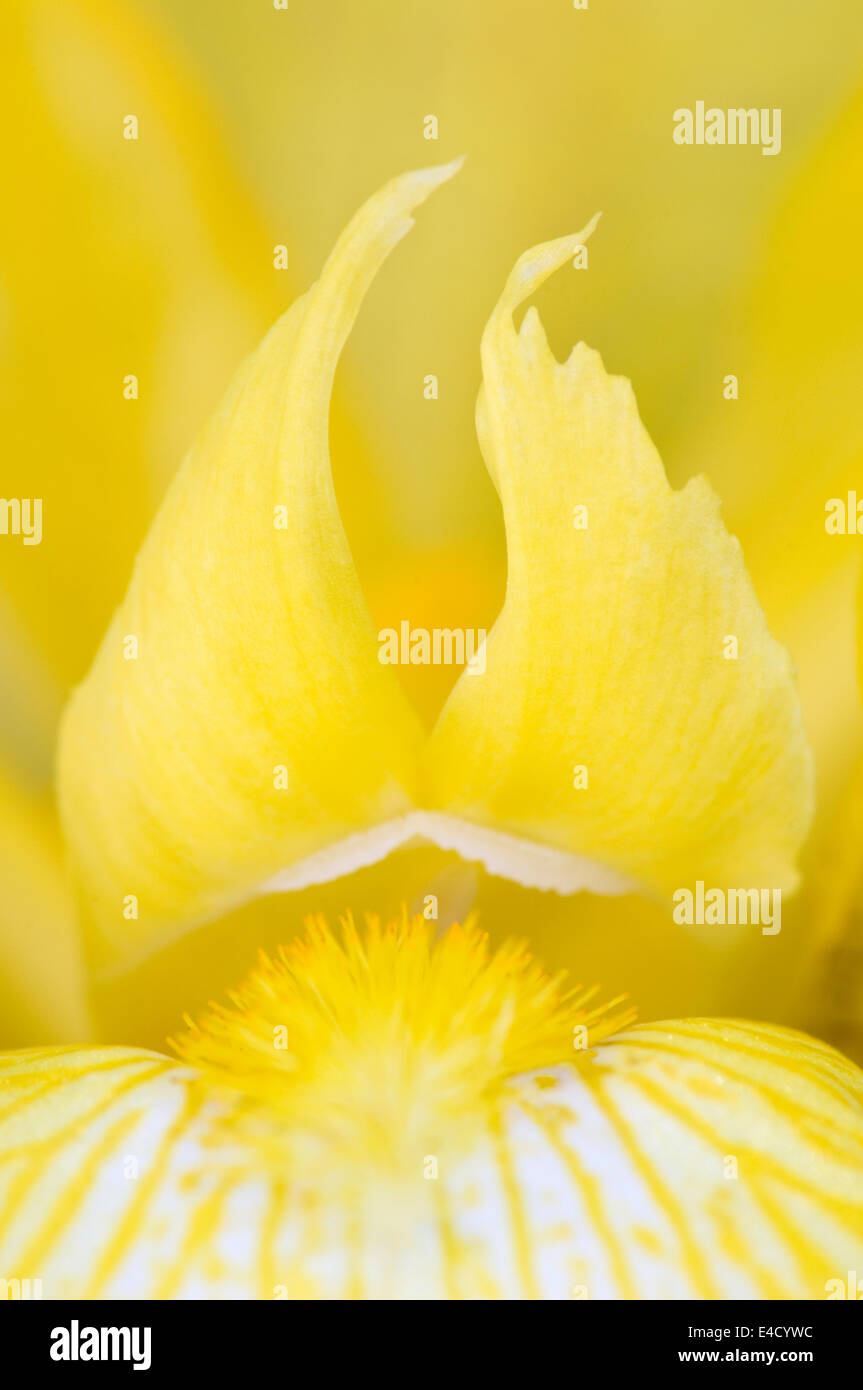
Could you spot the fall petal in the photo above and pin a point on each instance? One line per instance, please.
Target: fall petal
(703, 1159)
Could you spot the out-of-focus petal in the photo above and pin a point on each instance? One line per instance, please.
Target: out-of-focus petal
(829, 972)
(124, 258)
(42, 992)
(790, 443)
(793, 440)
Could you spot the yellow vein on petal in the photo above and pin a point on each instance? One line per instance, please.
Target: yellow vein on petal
(519, 1227)
(204, 1222)
(54, 1083)
(73, 1196)
(132, 1219)
(590, 1189)
(450, 1244)
(694, 1261)
(845, 1210)
(781, 1101)
(818, 1058)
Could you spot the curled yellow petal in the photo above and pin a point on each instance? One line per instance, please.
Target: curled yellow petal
(635, 711)
(236, 718)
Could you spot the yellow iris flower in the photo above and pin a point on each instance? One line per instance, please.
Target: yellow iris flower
(379, 1113)
(457, 1122)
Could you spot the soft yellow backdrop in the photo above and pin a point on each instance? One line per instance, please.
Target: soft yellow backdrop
(155, 257)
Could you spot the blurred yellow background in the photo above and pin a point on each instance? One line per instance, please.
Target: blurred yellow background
(155, 257)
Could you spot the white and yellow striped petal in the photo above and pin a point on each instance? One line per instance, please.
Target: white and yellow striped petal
(410, 1140)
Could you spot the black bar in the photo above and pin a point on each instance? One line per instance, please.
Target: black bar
(251, 1338)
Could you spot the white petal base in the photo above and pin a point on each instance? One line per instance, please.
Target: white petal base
(505, 856)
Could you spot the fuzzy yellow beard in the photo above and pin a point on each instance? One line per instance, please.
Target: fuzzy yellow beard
(375, 1050)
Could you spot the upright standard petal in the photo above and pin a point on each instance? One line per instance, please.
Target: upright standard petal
(635, 710)
(237, 718)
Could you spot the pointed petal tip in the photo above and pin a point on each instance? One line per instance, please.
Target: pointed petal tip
(446, 171)
(582, 236)
(536, 264)
(433, 175)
